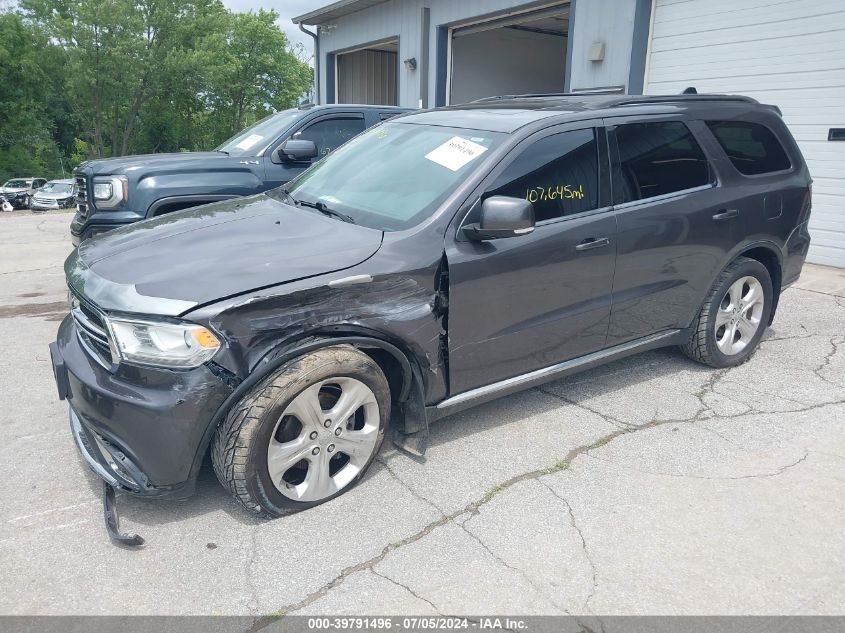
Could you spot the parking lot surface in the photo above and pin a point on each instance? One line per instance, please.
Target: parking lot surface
(653, 485)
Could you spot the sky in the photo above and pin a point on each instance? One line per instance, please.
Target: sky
(286, 10)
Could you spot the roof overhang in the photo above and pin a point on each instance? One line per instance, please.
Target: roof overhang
(334, 11)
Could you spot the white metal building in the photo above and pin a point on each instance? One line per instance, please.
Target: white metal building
(426, 53)
(788, 53)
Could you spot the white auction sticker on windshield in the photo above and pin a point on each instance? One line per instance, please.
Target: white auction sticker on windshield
(455, 153)
(249, 141)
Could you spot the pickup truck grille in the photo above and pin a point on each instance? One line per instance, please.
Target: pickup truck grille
(82, 195)
(91, 328)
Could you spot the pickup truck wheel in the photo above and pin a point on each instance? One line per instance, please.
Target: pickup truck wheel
(734, 315)
(306, 434)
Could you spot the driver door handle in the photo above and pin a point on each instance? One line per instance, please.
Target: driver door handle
(726, 214)
(592, 242)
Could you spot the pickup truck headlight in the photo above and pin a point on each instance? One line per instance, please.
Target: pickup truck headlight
(162, 344)
(111, 191)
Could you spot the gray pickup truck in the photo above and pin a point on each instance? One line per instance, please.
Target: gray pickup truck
(114, 192)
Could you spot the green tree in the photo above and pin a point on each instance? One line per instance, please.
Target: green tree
(162, 75)
(30, 109)
(260, 73)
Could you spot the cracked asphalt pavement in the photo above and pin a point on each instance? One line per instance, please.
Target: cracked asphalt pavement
(652, 485)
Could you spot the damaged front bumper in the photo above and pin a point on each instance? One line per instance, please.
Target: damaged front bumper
(115, 473)
(136, 428)
(107, 461)
(140, 429)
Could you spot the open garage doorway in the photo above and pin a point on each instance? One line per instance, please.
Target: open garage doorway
(368, 75)
(518, 54)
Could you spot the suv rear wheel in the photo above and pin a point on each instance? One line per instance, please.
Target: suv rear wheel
(734, 315)
(306, 434)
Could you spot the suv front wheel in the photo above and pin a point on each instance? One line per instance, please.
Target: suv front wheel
(734, 315)
(306, 434)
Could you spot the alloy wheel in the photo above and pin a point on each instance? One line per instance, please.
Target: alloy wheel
(323, 439)
(739, 315)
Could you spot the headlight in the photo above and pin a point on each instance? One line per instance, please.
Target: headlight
(102, 190)
(111, 192)
(175, 345)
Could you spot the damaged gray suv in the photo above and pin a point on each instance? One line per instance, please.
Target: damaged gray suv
(436, 261)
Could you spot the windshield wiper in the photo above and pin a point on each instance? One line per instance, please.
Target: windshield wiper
(222, 151)
(323, 208)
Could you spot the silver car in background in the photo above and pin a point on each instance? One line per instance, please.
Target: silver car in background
(56, 194)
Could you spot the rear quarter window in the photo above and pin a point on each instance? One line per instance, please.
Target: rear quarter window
(753, 148)
(656, 159)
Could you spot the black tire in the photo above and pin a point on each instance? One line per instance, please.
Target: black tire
(702, 342)
(239, 448)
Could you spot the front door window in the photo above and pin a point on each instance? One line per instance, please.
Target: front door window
(329, 134)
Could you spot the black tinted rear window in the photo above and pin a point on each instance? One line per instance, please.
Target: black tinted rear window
(752, 148)
(656, 159)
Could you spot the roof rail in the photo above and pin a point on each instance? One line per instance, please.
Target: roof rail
(540, 95)
(645, 99)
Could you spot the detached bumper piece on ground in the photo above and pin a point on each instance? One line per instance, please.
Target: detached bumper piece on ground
(113, 520)
(93, 452)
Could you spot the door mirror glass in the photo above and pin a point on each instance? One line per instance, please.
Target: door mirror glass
(502, 217)
(294, 151)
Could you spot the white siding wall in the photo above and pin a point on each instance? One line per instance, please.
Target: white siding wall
(789, 53)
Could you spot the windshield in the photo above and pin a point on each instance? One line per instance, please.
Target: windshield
(257, 137)
(17, 184)
(57, 187)
(394, 175)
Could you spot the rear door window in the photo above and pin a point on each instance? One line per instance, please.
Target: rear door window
(558, 174)
(655, 159)
(753, 148)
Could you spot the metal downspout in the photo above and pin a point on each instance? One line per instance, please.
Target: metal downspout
(316, 61)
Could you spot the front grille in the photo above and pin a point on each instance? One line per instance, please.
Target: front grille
(91, 327)
(82, 196)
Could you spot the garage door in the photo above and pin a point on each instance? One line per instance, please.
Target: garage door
(523, 53)
(368, 75)
(790, 53)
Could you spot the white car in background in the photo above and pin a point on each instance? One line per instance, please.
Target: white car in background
(17, 192)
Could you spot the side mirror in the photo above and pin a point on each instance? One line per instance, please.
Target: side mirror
(502, 217)
(294, 151)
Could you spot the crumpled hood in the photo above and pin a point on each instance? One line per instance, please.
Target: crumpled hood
(171, 264)
(12, 189)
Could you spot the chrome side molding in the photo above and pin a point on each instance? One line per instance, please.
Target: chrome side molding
(547, 373)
